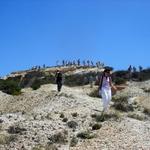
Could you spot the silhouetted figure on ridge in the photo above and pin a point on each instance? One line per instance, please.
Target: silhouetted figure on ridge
(130, 72)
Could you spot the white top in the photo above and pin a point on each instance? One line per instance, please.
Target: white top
(106, 82)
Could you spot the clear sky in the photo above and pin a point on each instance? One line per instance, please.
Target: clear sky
(36, 32)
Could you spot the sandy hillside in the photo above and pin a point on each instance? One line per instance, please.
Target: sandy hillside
(45, 119)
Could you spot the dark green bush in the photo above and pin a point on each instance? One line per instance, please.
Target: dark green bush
(65, 119)
(16, 130)
(36, 84)
(85, 135)
(119, 80)
(62, 115)
(74, 114)
(121, 74)
(147, 111)
(96, 126)
(72, 124)
(10, 87)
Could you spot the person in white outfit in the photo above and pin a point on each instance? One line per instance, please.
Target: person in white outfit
(105, 89)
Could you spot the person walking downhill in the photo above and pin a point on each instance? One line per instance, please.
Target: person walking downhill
(58, 77)
(105, 90)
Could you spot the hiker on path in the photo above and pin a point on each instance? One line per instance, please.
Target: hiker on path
(58, 77)
(105, 86)
(130, 72)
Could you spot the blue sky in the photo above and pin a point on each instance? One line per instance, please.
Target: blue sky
(36, 32)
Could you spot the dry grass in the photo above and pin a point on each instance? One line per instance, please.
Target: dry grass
(60, 137)
(145, 103)
(137, 116)
(6, 139)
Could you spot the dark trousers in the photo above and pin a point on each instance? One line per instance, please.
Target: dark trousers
(59, 86)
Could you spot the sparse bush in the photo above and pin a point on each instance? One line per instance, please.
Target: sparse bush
(49, 116)
(146, 90)
(137, 116)
(51, 147)
(93, 115)
(10, 87)
(74, 141)
(72, 124)
(119, 80)
(47, 147)
(74, 80)
(96, 126)
(60, 138)
(62, 115)
(99, 118)
(94, 93)
(6, 139)
(115, 115)
(16, 130)
(1, 121)
(85, 135)
(36, 84)
(103, 117)
(147, 111)
(121, 103)
(65, 119)
(74, 114)
(145, 74)
(121, 74)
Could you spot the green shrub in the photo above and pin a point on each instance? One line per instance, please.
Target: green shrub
(10, 87)
(93, 115)
(74, 114)
(36, 84)
(99, 118)
(72, 124)
(96, 126)
(74, 141)
(62, 115)
(147, 111)
(16, 130)
(145, 74)
(60, 138)
(85, 135)
(146, 90)
(65, 119)
(49, 116)
(119, 80)
(103, 117)
(121, 103)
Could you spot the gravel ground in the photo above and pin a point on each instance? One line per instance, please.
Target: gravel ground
(41, 114)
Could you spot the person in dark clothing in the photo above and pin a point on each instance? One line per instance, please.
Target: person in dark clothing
(58, 77)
